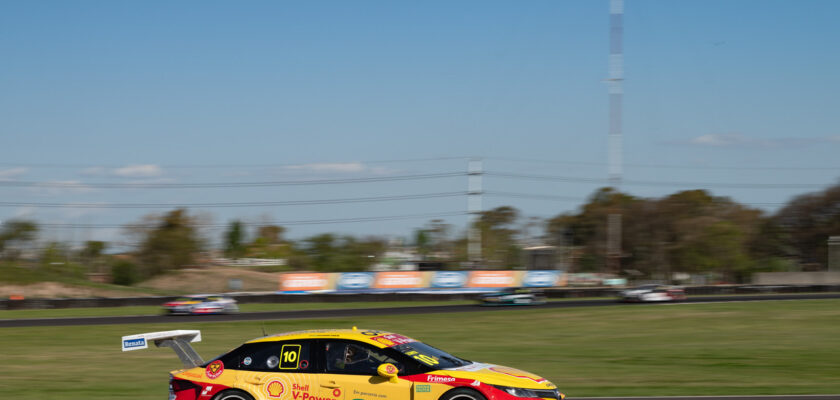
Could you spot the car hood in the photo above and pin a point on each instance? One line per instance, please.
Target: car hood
(497, 375)
(181, 303)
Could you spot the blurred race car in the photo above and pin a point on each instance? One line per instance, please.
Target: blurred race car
(653, 292)
(202, 304)
(513, 296)
(338, 364)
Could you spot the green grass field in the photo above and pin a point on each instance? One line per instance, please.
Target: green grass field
(256, 307)
(755, 348)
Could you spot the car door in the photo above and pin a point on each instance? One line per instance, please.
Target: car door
(283, 370)
(350, 373)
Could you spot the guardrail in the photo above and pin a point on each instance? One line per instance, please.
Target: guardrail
(430, 295)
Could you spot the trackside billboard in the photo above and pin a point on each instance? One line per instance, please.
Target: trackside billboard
(295, 282)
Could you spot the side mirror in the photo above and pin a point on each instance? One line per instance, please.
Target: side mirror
(389, 371)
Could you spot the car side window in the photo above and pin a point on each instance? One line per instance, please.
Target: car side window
(355, 358)
(292, 356)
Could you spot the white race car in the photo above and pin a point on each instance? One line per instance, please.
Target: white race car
(202, 304)
(653, 292)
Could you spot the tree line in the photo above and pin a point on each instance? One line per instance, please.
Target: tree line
(689, 232)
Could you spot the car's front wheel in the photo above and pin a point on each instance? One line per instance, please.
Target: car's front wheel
(233, 395)
(462, 394)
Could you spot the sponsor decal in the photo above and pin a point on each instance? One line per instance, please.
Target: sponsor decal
(540, 278)
(369, 395)
(275, 389)
(390, 369)
(301, 392)
(492, 279)
(303, 282)
(423, 388)
(398, 280)
(473, 367)
(392, 339)
(516, 373)
(304, 364)
(247, 361)
(214, 369)
(475, 383)
(207, 390)
(439, 379)
(449, 279)
(134, 343)
(355, 281)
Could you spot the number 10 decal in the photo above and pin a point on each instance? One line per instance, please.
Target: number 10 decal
(289, 356)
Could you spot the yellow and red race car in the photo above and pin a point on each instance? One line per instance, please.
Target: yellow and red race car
(338, 364)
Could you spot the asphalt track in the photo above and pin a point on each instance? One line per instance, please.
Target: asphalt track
(361, 312)
(783, 397)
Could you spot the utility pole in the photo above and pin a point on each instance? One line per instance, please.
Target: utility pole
(616, 78)
(474, 191)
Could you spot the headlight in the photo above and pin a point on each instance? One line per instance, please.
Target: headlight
(518, 392)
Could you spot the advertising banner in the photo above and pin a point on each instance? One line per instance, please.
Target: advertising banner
(541, 279)
(449, 279)
(355, 281)
(492, 279)
(303, 282)
(399, 280)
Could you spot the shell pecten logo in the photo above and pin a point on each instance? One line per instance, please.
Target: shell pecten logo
(275, 389)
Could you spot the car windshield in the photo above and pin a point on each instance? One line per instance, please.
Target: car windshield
(430, 356)
(190, 299)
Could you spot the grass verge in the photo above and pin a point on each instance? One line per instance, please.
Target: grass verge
(752, 348)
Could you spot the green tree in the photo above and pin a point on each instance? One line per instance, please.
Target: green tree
(808, 221)
(498, 237)
(14, 236)
(235, 240)
(170, 244)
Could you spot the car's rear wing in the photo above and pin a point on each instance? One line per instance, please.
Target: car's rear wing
(178, 341)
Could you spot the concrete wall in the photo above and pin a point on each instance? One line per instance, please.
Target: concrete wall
(797, 278)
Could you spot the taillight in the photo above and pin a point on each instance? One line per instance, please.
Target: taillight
(178, 388)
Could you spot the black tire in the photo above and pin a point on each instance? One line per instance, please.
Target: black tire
(462, 394)
(233, 394)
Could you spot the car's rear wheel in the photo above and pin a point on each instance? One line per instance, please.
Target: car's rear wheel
(233, 395)
(462, 394)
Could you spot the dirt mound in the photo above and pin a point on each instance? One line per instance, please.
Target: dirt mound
(214, 280)
(59, 290)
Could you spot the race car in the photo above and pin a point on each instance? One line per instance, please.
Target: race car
(653, 292)
(512, 296)
(201, 304)
(338, 364)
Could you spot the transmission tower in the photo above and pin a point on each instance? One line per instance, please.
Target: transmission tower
(614, 83)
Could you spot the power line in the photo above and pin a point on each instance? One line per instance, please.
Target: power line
(665, 166)
(236, 204)
(428, 159)
(284, 223)
(215, 166)
(659, 183)
(104, 185)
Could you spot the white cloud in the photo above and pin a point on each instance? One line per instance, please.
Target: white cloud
(739, 140)
(329, 167)
(720, 140)
(129, 171)
(139, 171)
(56, 188)
(6, 174)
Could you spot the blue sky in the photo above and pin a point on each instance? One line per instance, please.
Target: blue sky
(717, 94)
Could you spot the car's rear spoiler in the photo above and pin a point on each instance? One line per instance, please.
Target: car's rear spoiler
(178, 341)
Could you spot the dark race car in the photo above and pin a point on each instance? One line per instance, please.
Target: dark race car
(513, 297)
